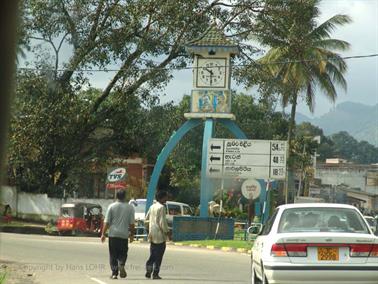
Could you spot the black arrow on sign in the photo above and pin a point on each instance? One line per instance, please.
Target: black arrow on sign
(212, 147)
(215, 158)
(211, 170)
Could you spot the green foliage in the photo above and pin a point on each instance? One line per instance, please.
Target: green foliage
(340, 145)
(3, 277)
(346, 147)
(61, 125)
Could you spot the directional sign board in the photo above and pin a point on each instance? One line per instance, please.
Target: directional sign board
(265, 159)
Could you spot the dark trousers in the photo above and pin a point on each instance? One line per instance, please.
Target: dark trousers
(118, 249)
(156, 257)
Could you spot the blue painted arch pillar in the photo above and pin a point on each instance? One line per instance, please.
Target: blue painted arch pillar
(206, 184)
(163, 156)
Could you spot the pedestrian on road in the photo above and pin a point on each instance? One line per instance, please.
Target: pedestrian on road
(119, 219)
(158, 233)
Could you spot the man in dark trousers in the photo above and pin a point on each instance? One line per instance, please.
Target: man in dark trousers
(158, 233)
(119, 219)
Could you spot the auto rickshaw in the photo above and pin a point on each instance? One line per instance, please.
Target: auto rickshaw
(80, 218)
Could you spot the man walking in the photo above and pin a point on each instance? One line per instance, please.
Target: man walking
(119, 219)
(158, 232)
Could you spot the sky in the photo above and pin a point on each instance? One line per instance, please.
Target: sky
(362, 75)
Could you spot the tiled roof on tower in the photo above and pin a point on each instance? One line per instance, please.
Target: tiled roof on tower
(212, 39)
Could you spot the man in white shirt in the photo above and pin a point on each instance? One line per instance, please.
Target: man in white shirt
(120, 220)
(158, 232)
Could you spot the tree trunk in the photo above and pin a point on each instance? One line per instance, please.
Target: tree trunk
(8, 19)
(289, 138)
(292, 120)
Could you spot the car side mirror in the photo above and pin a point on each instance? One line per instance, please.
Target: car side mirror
(255, 229)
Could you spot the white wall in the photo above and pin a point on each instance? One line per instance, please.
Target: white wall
(37, 206)
(335, 176)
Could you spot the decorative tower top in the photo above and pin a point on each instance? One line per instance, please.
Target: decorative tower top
(212, 40)
(211, 95)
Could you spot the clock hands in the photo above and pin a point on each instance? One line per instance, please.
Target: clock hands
(208, 70)
(211, 74)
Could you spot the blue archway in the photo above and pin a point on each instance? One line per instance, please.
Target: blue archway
(205, 195)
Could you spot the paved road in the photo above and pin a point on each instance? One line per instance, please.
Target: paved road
(85, 261)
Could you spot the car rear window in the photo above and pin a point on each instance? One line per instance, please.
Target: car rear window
(174, 209)
(139, 206)
(321, 219)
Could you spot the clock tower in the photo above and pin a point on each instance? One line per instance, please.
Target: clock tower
(211, 103)
(211, 95)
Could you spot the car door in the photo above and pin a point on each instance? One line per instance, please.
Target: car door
(260, 241)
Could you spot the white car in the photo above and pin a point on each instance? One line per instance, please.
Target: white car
(173, 209)
(315, 243)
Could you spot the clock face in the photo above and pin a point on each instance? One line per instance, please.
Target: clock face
(211, 72)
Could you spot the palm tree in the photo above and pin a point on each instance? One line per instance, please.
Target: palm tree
(302, 55)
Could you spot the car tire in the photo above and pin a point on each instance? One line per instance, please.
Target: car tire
(254, 278)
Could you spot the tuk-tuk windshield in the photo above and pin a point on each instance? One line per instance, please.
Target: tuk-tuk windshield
(67, 212)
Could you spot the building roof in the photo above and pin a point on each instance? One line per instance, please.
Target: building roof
(212, 39)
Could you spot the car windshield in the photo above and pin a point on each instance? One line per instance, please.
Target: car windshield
(321, 219)
(140, 206)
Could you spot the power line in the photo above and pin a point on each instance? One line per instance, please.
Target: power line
(192, 67)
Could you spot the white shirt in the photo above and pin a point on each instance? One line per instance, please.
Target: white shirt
(158, 226)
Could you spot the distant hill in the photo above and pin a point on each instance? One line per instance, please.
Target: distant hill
(360, 121)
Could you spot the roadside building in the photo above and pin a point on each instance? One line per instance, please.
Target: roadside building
(344, 182)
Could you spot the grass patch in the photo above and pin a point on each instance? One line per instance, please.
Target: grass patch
(221, 243)
(13, 224)
(3, 276)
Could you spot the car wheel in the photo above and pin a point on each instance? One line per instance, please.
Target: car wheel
(254, 278)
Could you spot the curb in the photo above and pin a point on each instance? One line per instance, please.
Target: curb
(223, 249)
(24, 230)
(242, 250)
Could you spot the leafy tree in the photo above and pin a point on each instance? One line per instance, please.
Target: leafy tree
(58, 115)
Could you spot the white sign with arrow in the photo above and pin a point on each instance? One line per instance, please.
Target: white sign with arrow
(265, 159)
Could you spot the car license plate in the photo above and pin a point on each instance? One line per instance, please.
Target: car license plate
(330, 254)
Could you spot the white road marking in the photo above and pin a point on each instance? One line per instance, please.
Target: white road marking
(98, 281)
